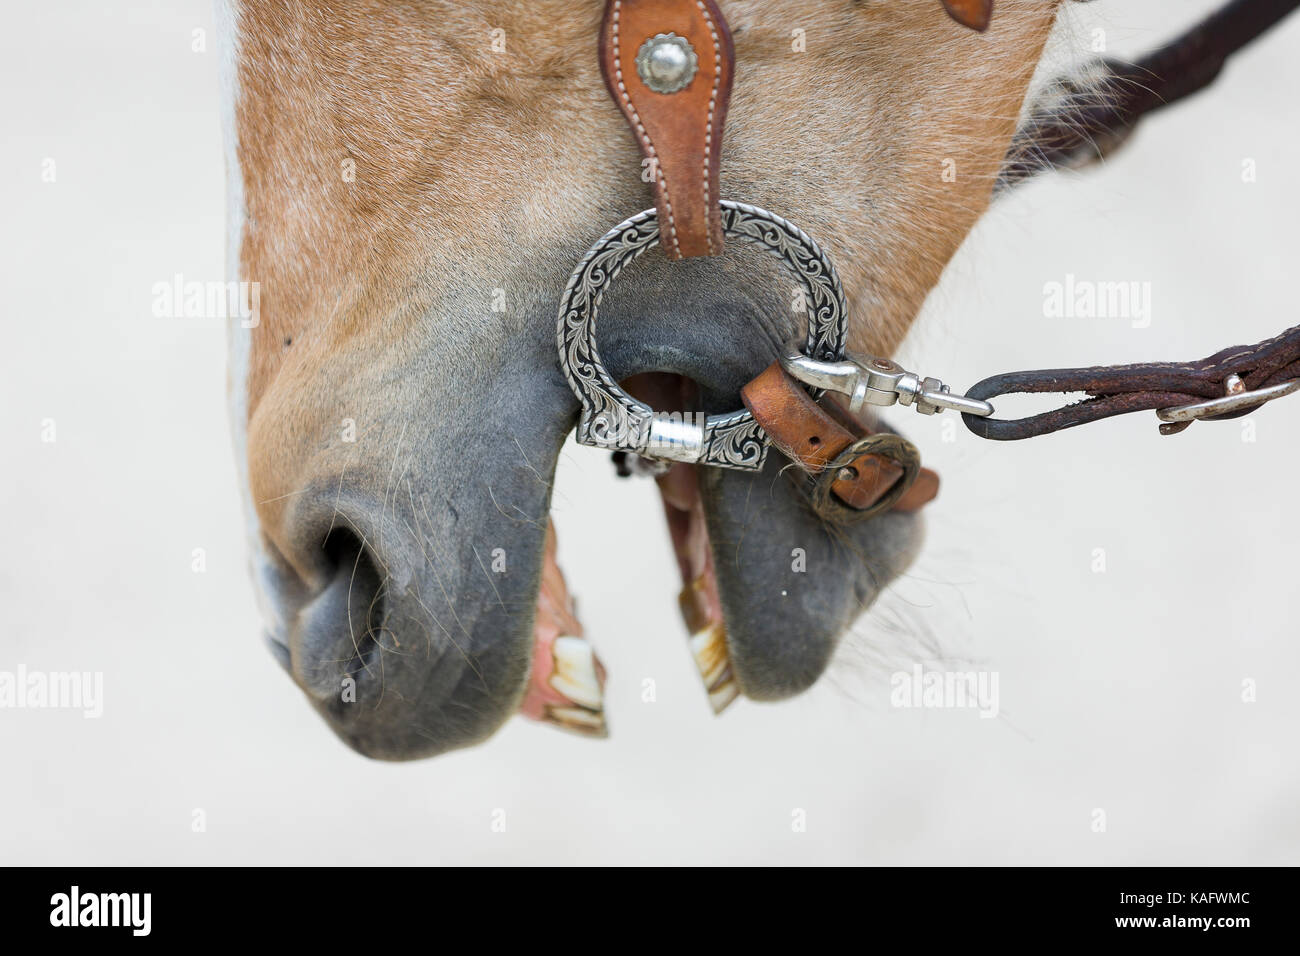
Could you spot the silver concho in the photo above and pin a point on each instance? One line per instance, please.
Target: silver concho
(667, 63)
(611, 418)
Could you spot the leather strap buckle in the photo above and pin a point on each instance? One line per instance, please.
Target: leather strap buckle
(854, 472)
(870, 451)
(1237, 399)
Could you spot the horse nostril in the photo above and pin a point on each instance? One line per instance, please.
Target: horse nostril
(337, 630)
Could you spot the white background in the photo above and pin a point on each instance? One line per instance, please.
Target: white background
(1119, 690)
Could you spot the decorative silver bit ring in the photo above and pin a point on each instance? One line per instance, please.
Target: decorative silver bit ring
(611, 418)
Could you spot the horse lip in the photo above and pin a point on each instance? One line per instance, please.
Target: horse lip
(279, 649)
(784, 618)
(718, 331)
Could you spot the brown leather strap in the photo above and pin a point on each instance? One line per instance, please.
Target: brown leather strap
(1089, 113)
(813, 435)
(1118, 389)
(680, 131)
(970, 13)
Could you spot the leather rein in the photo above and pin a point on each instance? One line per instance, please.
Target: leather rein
(669, 65)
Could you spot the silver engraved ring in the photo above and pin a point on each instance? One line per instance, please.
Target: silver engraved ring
(611, 418)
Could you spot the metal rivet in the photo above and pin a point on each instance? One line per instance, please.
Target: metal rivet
(667, 63)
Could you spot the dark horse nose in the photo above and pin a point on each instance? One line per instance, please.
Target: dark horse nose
(343, 631)
(400, 641)
(416, 557)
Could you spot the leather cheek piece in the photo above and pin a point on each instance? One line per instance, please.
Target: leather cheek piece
(813, 435)
(970, 13)
(679, 133)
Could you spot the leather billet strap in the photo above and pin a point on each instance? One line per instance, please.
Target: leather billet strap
(1118, 389)
(832, 446)
(684, 48)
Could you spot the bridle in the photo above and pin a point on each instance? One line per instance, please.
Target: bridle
(668, 65)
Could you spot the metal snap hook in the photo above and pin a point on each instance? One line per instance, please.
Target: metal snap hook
(870, 380)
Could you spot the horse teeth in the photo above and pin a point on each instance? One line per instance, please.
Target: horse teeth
(577, 675)
(580, 720)
(572, 695)
(708, 641)
(709, 648)
(566, 687)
